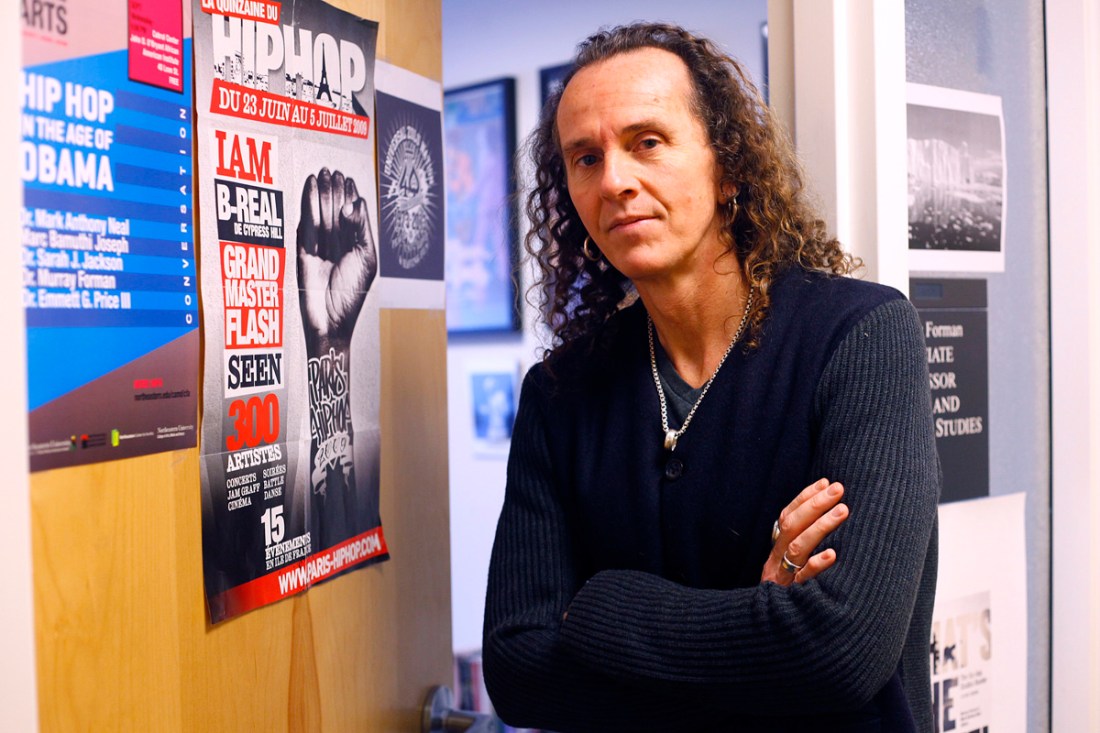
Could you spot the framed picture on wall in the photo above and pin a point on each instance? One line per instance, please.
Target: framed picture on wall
(493, 397)
(550, 80)
(479, 130)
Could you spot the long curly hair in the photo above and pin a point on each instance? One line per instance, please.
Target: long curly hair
(771, 228)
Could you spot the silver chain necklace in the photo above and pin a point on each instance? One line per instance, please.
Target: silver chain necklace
(671, 436)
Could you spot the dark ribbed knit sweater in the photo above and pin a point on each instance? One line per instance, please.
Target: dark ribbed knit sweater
(657, 556)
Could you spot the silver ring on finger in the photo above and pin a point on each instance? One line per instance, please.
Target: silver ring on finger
(775, 532)
(789, 566)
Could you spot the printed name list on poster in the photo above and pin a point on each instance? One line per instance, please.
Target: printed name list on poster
(288, 201)
(108, 266)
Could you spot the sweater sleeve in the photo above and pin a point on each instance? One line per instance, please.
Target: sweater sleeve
(826, 645)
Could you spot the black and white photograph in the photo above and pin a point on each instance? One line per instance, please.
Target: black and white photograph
(957, 180)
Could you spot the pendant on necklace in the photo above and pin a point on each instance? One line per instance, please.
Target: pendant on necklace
(670, 440)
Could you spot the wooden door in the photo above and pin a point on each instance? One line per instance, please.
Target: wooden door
(122, 637)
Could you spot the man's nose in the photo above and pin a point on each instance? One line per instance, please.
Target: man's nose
(620, 176)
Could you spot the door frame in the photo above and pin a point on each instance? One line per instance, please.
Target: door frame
(1073, 118)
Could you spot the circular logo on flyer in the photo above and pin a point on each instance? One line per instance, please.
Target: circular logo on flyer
(407, 179)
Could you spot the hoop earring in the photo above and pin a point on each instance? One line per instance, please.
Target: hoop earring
(587, 252)
(732, 203)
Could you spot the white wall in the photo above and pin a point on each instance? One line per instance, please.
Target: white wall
(483, 39)
(838, 73)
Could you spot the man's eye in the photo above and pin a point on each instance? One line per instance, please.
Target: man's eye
(649, 143)
(585, 161)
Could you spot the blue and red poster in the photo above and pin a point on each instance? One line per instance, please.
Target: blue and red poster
(109, 283)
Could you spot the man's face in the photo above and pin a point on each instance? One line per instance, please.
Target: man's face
(640, 170)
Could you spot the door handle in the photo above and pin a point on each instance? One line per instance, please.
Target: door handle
(439, 717)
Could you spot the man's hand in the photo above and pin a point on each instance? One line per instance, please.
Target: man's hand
(803, 525)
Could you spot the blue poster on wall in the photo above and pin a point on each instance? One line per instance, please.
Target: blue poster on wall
(481, 241)
(108, 258)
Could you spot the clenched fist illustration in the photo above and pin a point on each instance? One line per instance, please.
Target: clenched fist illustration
(337, 259)
(337, 263)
